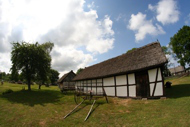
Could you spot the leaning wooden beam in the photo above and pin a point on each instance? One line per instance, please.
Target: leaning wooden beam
(90, 111)
(74, 109)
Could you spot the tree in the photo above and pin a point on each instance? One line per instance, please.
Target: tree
(131, 50)
(14, 74)
(32, 60)
(54, 76)
(79, 70)
(166, 70)
(180, 44)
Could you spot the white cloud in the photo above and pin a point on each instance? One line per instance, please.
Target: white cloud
(4, 62)
(187, 19)
(91, 5)
(66, 59)
(167, 11)
(64, 23)
(150, 7)
(143, 27)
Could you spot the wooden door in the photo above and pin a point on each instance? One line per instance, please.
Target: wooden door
(142, 89)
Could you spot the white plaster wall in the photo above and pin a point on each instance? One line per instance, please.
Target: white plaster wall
(110, 91)
(131, 78)
(152, 75)
(93, 82)
(89, 82)
(159, 75)
(99, 90)
(122, 91)
(77, 84)
(108, 81)
(121, 80)
(99, 82)
(151, 88)
(94, 90)
(85, 89)
(158, 90)
(132, 91)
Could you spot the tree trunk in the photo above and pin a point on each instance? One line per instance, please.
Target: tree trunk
(39, 87)
(29, 88)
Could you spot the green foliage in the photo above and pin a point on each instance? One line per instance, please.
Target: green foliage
(166, 71)
(166, 50)
(4, 76)
(54, 76)
(131, 50)
(79, 70)
(33, 60)
(180, 44)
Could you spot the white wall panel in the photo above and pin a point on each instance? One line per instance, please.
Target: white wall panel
(94, 90)
(121, 80)
(93, 82)
(159, 89)
(131, 78)
(151, 88)
(159, 75)
(152, 75)
(99, 82)
(122, 91)
(85, 89)
(110, 91)
(108, 81)
(132, 91)
(99, 90)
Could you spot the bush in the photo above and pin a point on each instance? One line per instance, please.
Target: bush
(7, 91)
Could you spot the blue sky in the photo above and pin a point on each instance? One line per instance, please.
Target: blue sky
(120, 12)
(86, 32)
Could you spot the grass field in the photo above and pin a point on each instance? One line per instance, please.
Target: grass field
(48, 106)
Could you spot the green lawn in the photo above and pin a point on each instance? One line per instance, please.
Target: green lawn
(48, 106)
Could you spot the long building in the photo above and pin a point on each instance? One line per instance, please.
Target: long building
(136, 74)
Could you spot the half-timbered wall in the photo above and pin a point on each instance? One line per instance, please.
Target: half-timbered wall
(132, 85)
(123, 85)
(155, 80)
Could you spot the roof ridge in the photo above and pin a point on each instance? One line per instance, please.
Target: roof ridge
(125, 53)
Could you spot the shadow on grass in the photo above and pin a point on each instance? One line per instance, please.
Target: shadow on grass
(32, 98)
(177, 91)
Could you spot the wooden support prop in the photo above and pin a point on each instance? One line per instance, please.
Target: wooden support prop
(74, 109)
(104, 94)
(90, 111)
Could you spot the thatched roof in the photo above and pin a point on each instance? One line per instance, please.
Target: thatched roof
(64, 76)
(177, 69)
(148, 56)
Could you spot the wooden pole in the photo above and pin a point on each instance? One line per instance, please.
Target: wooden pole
(90, 111)
(74, 109)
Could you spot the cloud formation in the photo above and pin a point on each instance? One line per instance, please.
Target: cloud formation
(143, 27)
(78, 35)
(167, 11)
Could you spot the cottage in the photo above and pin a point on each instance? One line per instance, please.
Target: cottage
(136, 74)
(177, 70)
(66, 83)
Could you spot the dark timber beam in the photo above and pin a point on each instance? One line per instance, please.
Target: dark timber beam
(155, 82)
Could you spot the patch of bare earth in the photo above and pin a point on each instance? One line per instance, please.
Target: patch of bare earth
(120, 101)
(42, 123)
